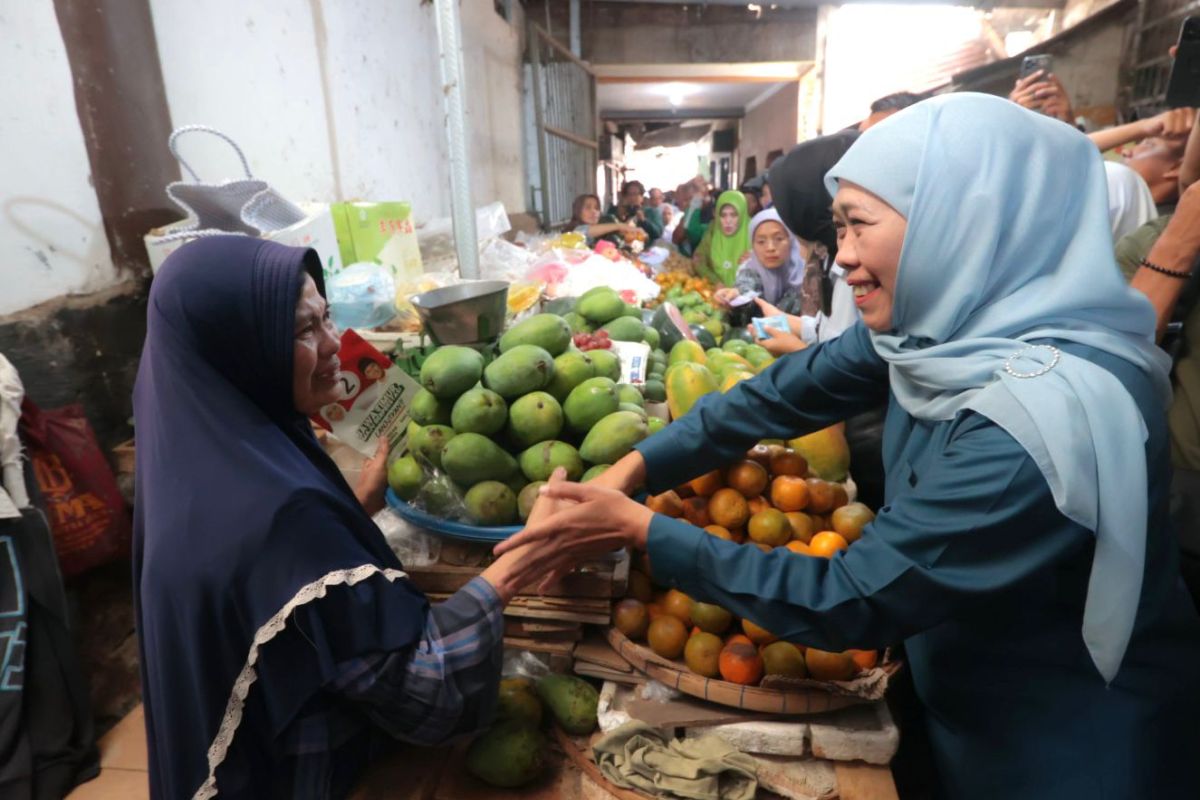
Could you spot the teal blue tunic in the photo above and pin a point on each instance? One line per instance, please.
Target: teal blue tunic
(972, 566)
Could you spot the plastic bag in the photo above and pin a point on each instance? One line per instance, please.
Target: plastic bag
(362, 295)
(436, 238)
(87, 514)
(523, 664)
(501, 261)
(412, 546)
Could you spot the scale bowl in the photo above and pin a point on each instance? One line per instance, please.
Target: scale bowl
(463, 314)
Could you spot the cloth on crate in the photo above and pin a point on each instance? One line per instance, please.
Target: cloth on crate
(1130, 204)
(259, 572)
(773, 285)
(641, 757)
(1029, 252)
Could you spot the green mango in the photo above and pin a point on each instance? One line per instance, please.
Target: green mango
(600, 305)
(607, 364)
(633, 312)
(491, 503)
(426, 409)
(550, 332)
(430, 441)
(472, 457)
(570, 369)
(517, 700)
(534, 418)
(405, 477)
(590, 402)
(628, 393)
(625, 329)
(527, 498)
(539, 461)
(613, 437)
(655, 391)
(572, 701)
(650, 336)
(451, 370)
(511, 754)
(654, 425)
(577, 323)
(594, 472)
(634, 407)
(523, 369)
(479, 411)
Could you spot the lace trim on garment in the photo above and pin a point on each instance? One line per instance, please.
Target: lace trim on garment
(272, 628)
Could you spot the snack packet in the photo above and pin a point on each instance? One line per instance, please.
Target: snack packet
(377, 394)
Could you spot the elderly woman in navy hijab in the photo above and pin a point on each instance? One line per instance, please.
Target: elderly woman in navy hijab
(1024, 553)
(283, 648)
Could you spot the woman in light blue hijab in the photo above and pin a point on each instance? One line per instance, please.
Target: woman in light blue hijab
(1023, 554)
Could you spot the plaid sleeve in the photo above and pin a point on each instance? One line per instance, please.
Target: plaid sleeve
(443, 687)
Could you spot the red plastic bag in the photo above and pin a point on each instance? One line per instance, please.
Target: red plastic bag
(87, 514)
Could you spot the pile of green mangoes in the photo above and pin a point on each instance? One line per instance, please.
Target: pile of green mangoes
(499, 429)
(512, 752)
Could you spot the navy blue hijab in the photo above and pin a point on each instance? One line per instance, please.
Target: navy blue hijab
(243, 528)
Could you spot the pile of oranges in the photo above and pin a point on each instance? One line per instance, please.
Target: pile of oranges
(686, 282)
(768, 501)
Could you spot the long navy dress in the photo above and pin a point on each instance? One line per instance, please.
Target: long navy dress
(972, 566)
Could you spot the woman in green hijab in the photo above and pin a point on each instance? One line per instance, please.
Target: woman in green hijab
(726, 243)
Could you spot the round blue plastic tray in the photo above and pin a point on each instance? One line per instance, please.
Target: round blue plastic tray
(446, 527)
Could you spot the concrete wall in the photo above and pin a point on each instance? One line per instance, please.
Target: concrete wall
(329, 100)
(771, 125)
(615, 33)
(51, 231)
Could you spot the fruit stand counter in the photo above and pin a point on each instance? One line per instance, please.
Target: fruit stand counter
(438, 774)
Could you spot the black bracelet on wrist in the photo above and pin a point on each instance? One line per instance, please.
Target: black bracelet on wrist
(1173, 273)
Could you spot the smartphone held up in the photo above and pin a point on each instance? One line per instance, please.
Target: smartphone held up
(1183, 87)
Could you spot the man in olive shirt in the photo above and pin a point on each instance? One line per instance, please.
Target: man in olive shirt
(1159, 259)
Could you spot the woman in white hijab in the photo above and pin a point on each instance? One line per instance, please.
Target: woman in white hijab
(1023, 554)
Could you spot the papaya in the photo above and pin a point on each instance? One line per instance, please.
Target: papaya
(550, 332)
(687, 350)
(511, 754)
(451, 370)
(613, 437)
(607, 364)
(572, 701)
(731, 345)
(600, 305)
(826, 452)
(625, 329)
(426, 409)
(732, 378)
(724, 361)
(491, 503)
(687, 383)
(479, 411)
(758, 356)
(523, 369)
(570, 369)
(590, 402)
(472, 457)
(538, 462)
(534, 418)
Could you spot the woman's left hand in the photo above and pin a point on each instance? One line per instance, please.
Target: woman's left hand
(725, 295)
(590, 521)
(372, 481)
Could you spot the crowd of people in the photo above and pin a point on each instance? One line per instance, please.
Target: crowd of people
(947, 268)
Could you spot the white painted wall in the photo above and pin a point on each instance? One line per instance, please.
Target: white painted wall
(342, 99)
(329, 99)
(51, 235)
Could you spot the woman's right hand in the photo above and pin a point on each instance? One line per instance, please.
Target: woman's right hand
(725, 296)
(779, 343)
